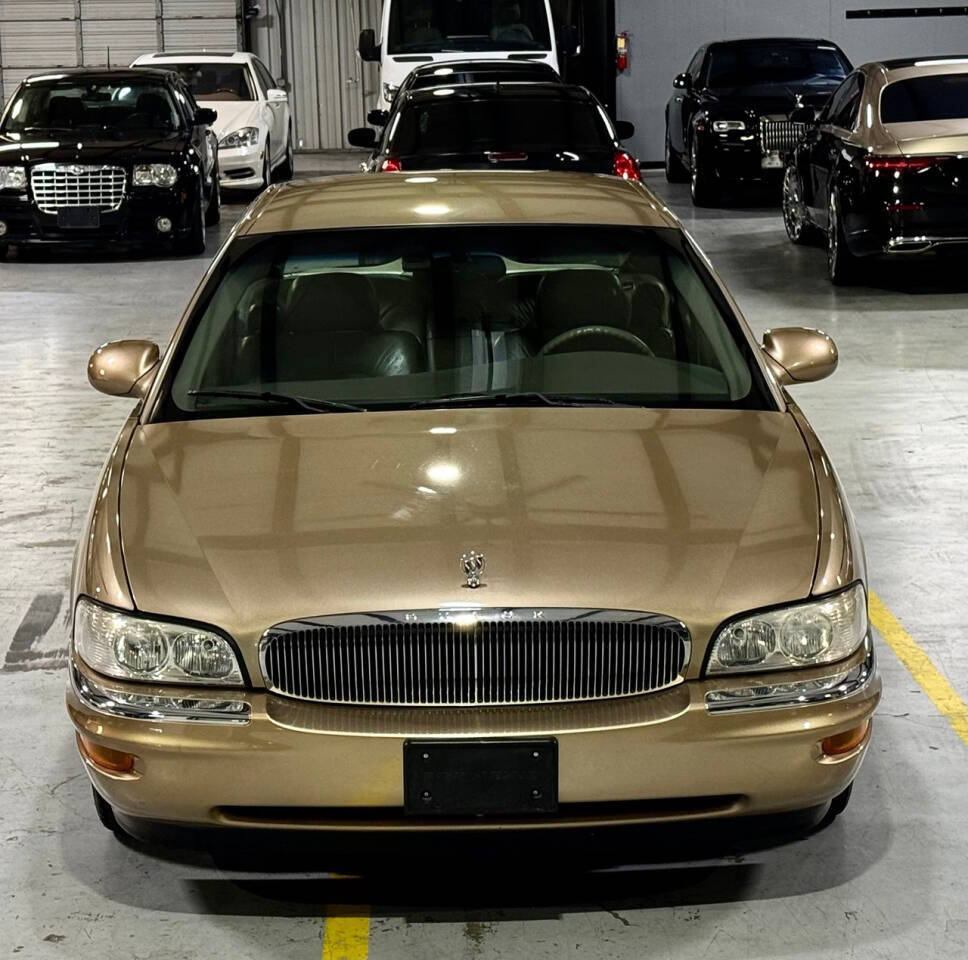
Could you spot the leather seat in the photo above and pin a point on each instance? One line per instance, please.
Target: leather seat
(651, 316)
(331, 330)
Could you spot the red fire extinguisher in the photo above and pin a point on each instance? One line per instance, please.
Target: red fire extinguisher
(622, 52)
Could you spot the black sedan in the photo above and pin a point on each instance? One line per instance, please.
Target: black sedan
(524, 126)
(741, 106)
(96, 156)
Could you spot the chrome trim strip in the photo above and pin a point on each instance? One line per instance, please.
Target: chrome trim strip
(468, 614)
(921, 244)
(139, 706)
(802, 693)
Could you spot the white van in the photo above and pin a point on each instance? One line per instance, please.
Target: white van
(415, 32)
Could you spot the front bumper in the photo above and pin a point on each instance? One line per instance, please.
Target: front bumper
(738, 157)
(240, 168)
(134, 221)
(662, 757)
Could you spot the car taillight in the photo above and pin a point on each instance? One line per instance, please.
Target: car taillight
(902, 164)
(625, 166)
(391, 165)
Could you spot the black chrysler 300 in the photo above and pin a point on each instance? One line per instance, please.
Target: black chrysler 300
(741, 106)
(94, 156)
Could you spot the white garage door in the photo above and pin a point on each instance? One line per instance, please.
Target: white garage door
(41, 35)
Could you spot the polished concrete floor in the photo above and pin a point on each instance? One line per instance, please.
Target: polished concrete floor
(885, 881)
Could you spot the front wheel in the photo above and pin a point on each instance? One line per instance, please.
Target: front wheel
(287, 168)
(193, 243)
(214, 212)
(105, 813)
(794, 210)
(841, 263)
(674, 170)
(4, 250)
(266, 166)
(704, 190)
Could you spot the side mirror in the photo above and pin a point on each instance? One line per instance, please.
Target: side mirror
(124, 368)
(378, 118)
(569, 40)
(277, 96)
(683, 82)
(205, 117)
(799, 355)
(624, 129)
(368, 48)
(805, 115)
(362, 137)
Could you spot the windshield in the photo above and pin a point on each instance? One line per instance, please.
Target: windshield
(760, 64)
(443, 26)
(402, 318)
(926, 98)
(470, 125)
(117, 106)
(216, 81)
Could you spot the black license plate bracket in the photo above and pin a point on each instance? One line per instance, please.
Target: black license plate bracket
(79, 218)
(474, 778)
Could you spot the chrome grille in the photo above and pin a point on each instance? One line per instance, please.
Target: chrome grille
(482, 657)
(58, 186)
(780, 135)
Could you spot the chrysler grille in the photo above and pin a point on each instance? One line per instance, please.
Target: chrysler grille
(487, 658)
(59, 186)
(780, 135)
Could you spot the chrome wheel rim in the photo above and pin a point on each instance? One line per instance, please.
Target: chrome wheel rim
(792, 207)
(694, 163)
(833, 240)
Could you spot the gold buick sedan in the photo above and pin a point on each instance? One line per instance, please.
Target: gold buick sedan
(466, 501)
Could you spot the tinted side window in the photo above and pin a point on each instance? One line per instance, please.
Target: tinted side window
(846, 117)
(695, 65)
(836, 103)
(265, 78)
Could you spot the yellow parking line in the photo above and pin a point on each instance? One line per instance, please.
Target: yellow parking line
(929, 678)
(346, 934)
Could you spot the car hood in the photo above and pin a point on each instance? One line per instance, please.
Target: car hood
(768, 98)
(247, 522)
(57, 146)
(233, 115)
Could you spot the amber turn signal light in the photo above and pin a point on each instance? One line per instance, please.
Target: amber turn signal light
(841, 743)
(104, 758)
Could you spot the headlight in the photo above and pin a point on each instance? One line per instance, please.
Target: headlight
(246, 137)
(155, 175)
(13, 178)
(728, 126)
(803, 635)
(133, 648)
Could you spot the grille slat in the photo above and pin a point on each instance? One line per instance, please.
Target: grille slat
(780, 135)
(55, 187)
(486, 661)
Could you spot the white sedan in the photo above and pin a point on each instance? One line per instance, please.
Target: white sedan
(254, 125)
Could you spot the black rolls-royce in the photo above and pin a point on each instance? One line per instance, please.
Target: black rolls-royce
(741, 106)
(97, 156)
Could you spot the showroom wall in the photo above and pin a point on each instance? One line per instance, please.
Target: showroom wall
(666, 33)
(40, 35)
(314, 43)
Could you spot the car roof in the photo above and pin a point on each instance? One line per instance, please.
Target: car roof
(104, 73)
(452, 198)
(773, 41)
(484, 66)
(928, 63)
(513, 89)
(194, 57)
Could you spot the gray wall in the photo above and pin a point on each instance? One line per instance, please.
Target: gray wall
(666, 33)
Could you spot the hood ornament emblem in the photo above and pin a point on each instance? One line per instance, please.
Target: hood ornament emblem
(472, 565)
(799, 100)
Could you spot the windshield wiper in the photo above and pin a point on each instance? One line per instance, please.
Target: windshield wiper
(525, 398)
(315, 404)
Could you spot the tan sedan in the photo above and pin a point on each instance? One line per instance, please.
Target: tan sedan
(467, 500)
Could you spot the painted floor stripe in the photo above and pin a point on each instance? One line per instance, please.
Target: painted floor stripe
(346, 933)
(929, 678)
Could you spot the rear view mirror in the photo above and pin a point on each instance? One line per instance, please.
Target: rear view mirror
(378, 118)
(205, 117)
(369, 49)
(277, 96)
(362, 137)
(624, 129)
(124, 368)
(682, 82)
(799, 355)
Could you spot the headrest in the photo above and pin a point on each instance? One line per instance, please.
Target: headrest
(332, 302)
(579, 298)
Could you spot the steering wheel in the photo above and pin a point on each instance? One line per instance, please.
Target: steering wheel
(597, 331)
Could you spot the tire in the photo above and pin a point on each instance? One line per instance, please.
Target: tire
(266, 167)
(675, 171)
(837, 806)
(194, 242)
(841, 263)
(704, 190)
(287, 168)
(105, 813)
(213, 213)
(4, 250)
(798, 228)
